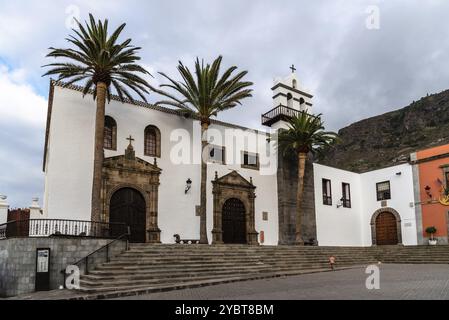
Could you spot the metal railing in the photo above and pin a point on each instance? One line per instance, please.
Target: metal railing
(280, 112)
(101, 255)
(60, 227)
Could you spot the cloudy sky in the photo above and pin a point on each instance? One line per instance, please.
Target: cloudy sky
(355, 65)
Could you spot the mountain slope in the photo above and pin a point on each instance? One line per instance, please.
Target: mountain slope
(389, 138)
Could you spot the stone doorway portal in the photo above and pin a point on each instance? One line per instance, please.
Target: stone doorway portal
(234, 206)
(130, 183)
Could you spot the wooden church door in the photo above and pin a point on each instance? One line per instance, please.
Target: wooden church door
(128, 206)
(386, 229)
(234, 221)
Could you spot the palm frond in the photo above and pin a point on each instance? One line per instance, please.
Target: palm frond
(306, 134)
(97, 57)
(206, 92)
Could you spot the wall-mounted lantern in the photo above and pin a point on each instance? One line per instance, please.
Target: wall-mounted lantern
(340, 203)
(188, 185)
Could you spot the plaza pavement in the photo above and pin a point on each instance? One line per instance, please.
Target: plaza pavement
(397, 282)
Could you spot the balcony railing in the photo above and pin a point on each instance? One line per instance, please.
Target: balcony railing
(281, 112)
(59, 227)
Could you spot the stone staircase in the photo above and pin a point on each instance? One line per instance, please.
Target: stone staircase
(412, 254)
(149, 268)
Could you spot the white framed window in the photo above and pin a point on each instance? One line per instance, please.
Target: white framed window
(383, 191)
(327, 192)
(346, 195)
(250, 160)
(216, 154)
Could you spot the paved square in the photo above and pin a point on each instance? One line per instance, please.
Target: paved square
(396, 282)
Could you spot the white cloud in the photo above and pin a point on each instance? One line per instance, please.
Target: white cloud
(18, 101)
(22, 132)
(352, 72)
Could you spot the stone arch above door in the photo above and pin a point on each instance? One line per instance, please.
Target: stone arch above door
(128, 171)
(373, 224)
(229, 186)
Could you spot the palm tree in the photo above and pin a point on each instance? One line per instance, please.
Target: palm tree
(100, 61)
(203, 96)
(305, 134)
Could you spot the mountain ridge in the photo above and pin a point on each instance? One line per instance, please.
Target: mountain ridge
(388, 139)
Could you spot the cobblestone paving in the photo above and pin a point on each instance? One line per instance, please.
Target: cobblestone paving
(396, 282)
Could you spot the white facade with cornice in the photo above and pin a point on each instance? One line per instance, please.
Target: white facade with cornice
(171, 203)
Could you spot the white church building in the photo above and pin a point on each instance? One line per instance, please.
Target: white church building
(151, 177)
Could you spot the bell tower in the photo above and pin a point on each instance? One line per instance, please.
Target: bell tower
(288, 98)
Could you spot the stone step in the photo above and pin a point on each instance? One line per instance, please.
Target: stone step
(417, 261)
(149, 271)
(173, 248)
(97, 280)
(158, 260)
(159, 280)
(227, 255)
(135, 289)
(164, 273)
(144, 274)
(134, 266)
(250, 254)
(150, 268)
(218, 250)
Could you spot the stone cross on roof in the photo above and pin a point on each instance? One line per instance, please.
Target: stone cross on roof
(129, 152)
(130, 139)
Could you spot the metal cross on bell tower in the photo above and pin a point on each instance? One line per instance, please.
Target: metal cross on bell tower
(293, 68)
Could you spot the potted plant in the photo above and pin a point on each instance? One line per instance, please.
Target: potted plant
(432, 230)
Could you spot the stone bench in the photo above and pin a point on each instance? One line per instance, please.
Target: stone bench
(178, 240)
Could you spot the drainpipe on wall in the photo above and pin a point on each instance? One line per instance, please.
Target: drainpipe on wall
(417, 195)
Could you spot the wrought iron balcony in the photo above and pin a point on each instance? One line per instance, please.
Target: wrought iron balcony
(281, 112)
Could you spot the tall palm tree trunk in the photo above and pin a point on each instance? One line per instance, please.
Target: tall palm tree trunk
(98, 151)
(299, 195)
(203, 201)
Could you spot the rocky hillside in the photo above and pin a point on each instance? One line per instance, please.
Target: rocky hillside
(389, 139)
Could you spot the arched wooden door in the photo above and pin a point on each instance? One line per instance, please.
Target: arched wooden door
(234, 221)
(386, 229)
(128, 206)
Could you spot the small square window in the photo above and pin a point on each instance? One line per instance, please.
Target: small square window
(250, 160)
(216, 154)
(383, 191)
